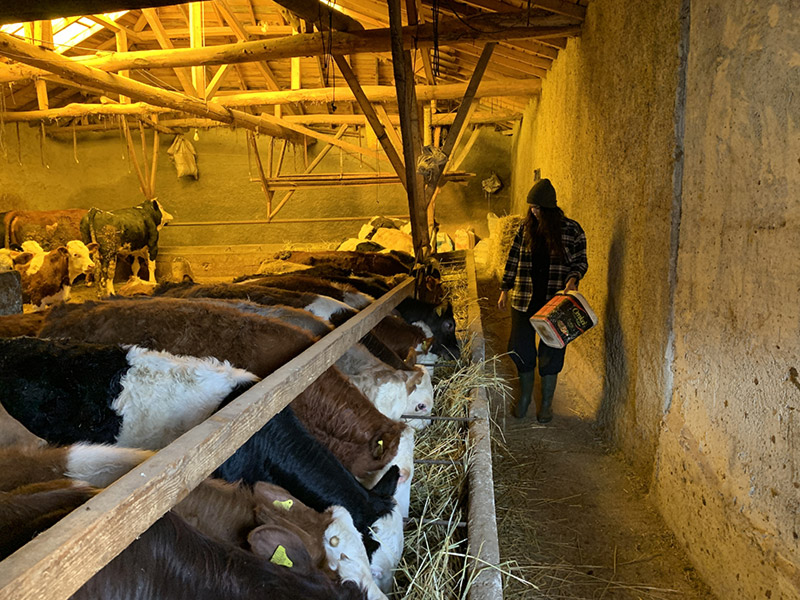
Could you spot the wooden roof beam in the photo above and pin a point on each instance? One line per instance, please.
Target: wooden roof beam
(84, 75)
(183, 73)
(321, 15)
(508, 26)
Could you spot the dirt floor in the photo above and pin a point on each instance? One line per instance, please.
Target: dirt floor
(572, 516)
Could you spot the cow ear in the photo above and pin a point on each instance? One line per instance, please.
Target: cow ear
(281, 547)
(440, 309)
(93, 247)
(62, 250)
(22, 258)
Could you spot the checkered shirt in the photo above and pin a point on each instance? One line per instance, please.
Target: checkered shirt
(517, 276)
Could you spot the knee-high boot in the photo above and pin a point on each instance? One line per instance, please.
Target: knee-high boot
(548, 389)
(526, 381)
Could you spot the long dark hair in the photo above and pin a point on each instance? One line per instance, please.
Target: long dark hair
(545, 230)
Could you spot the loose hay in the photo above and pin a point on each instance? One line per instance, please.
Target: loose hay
(437, 563)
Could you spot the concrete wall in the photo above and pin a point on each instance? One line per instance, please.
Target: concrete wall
(731, 441)
(602, 132)
(50, 178)
(692, 262)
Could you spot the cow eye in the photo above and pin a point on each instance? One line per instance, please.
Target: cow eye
(449, 325)
(421, 407)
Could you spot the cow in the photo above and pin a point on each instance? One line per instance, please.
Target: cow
(14, 433)
(437, 321)
(69, 392)
(50, 228)
(22, 324)
(50, 283)
(334, 409)
(284, 453)
(324, 307)
(80, 258)
(369, 262)
(124, 231)
(301, 282)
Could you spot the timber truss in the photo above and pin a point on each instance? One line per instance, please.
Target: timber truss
(295, 70)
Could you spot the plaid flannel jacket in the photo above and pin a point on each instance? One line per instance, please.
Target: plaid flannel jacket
(517, 275)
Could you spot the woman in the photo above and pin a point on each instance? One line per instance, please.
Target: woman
(548, 255)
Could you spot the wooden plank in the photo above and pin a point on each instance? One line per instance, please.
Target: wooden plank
(216, 81)
(389, 123)
(122, 46)
(57, 562)
(321, 14)
(251, 138)
(36, 10)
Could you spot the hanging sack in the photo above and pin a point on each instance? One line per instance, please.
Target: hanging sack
(565, 316)
(183, 155)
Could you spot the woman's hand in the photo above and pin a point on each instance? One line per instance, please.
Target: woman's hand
(501, 302)
(572, 285)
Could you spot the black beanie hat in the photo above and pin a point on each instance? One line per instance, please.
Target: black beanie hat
(542, 194)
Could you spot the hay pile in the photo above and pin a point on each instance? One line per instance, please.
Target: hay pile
(502, 230)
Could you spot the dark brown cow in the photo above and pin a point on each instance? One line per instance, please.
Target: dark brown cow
(50, 228)
(369, 262)
(22, 324)
(334, 410)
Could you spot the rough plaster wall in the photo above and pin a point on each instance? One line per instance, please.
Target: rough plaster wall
(603, 133)
(728, 478)
(103, 178)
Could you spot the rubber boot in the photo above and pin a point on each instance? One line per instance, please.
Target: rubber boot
(548, 389)
(525, 393)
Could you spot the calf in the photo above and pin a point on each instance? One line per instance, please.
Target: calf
(50, 228)
(173, 560)
(437, 321)
(22, 324)
(301, 282)
(29, 510)
(124, 231)
(50, 283)
(284, 453)
(68, 392)
(94, 464)
(335, 410)
(322, 306)
(369, 262)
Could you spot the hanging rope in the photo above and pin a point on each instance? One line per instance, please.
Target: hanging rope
(75, 144)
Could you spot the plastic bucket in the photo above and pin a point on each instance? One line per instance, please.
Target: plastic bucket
(566, 316)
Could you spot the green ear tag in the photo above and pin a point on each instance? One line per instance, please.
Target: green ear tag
(279, 558)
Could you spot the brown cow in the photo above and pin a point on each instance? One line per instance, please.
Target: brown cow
(334, 410)
(50, 284)
(368, 262)
(50, 228)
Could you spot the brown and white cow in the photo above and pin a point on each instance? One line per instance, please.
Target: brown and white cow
(49, 228)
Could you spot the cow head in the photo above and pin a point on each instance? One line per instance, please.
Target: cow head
(80, 258)
(162, 216)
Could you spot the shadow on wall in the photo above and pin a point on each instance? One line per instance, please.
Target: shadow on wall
(616, 364)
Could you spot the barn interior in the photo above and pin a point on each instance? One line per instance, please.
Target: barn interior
(668, 130)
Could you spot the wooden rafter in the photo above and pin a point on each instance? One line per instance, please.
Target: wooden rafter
(461, 119)
(183, 74)
(94, 77)
(506, 26)
(197, 41)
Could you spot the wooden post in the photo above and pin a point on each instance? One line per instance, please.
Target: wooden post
(251, 138)
(196, 40)
(409, 128)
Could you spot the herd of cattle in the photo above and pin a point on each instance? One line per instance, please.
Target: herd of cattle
(50, 249)
(311, 506)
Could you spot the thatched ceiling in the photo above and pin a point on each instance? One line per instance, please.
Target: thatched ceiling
(301, 81)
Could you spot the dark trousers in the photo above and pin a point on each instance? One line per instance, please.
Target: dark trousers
(522, 345)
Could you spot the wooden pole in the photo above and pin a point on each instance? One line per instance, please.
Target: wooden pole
(409, 129)
(81, 74)
(507, 26)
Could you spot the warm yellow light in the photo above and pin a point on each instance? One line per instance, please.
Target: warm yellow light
(67, 32)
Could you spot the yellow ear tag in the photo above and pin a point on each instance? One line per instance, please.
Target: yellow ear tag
(285, 505)
(279, 558)
(380, 444)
